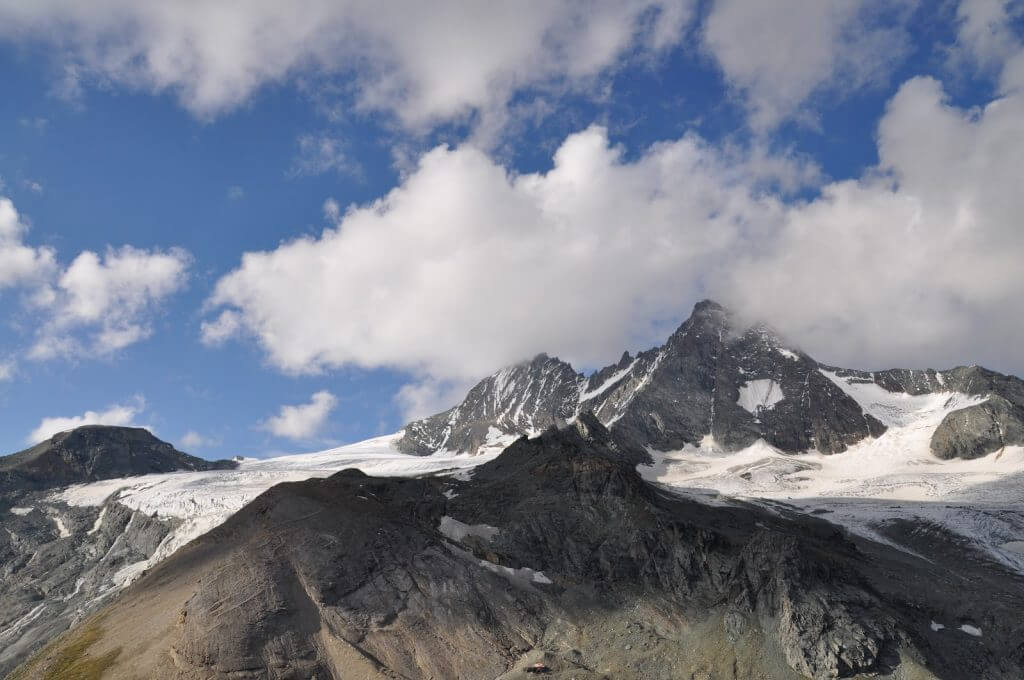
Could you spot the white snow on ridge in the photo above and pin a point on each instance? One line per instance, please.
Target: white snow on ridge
(792, 356)
(457, 531)
(98, 523)
(607, 384)
(21, 511)
(756, 395)
(893, 476)
(899, 409)
(205, 500)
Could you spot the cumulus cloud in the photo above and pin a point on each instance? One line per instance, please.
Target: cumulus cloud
(919, 261)
(423, 62)
(7, 369)
(20, 264)
(778, 54)
(101, 304)
(302, 421)
(97, 304)
(118, 414)
(466, 267)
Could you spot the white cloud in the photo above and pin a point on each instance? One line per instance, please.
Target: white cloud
(20, 264)
(194, 440)
(778, 54)
(986, 38)
(428, 396)
(917, 262)
(235, 193)
(97, 304)
(424, 62)
(118, 414)
(7, 369)
(101, 304)
(302, 421)
(465, 267)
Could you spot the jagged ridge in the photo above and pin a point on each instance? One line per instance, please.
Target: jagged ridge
(719, 377)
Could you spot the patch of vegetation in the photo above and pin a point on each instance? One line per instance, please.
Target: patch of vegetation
(71, 661)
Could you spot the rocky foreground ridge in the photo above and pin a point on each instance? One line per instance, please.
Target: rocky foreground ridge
(59, 562)
(558, 552)
(720, 377)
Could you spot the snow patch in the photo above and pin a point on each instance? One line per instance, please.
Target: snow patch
(99, 521)
(457, 531)
(936, 627)
(757, 395)
(62, 528)
(607, 384)
(971, 630)
(21, 511)
(792, 356)
(1014, 546)
(522, 575)
(899, 409)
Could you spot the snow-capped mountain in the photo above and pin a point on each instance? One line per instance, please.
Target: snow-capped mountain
(925, 462)
(720, 380)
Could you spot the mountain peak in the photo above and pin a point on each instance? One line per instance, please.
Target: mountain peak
(94, 452)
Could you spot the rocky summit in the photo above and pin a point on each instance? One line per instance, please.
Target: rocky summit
(94, 452)
(734, 382)
(555, 553)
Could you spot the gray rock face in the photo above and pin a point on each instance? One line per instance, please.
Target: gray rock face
(566, 556)
(59, 563)
(525, 398)
(970, 432)
(94, 452)
(720, 377)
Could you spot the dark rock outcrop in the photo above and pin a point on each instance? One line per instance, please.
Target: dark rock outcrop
(722, 377)
(94, 452)
(555, 551)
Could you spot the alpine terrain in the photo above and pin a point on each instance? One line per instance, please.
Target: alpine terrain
(722, 506)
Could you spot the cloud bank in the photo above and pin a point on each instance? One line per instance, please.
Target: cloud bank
(466, 266)
(423, 62)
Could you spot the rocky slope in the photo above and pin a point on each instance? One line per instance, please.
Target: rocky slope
(555, 551)
(734, 382)
(59, 562)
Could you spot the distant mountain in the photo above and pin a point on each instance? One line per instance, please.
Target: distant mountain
(58, 562)
(94, 452)
(733, 383)
(554, 553)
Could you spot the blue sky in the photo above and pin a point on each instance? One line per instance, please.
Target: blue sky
(438, 196)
